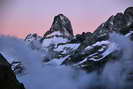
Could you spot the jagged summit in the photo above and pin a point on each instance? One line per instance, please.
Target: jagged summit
(129, 10)
(60, 32)
(61, 26)
(120, 23)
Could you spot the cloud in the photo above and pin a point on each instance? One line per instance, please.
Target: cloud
(115, 74)
(39, 75)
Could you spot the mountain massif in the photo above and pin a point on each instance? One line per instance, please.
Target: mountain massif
(82, 50)
(93, 52)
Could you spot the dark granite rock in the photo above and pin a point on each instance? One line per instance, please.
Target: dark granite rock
(7, 77)
(121, 23)
(62, 24)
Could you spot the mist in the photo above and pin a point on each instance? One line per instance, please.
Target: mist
(116, 74)
(38, 75)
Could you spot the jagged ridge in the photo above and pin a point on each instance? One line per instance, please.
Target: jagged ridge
(97, 42)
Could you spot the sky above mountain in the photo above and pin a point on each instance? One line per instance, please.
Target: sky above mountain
(20, 17)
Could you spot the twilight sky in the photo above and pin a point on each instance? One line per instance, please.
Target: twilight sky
(20, 17)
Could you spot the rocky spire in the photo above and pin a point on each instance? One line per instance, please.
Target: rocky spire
(61, 24)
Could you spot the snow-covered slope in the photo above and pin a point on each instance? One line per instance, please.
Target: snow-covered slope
(67, 48)
(53, 41)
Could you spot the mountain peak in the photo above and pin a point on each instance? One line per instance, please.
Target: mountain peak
(129, 10)
(61, 16)
(121, 23)
(61, 24)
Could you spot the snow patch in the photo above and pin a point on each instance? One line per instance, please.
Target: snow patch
(54, 33)
(54, 40)
(128, 34)
(63, 48)
(111, 48)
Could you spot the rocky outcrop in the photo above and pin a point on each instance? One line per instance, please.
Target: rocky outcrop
(7, 77)
(121, 23)
(80, 38)
(31, 37)
(33, 40)
(60, 32)
(61, 27)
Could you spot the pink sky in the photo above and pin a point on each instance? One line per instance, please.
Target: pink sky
(21, 17)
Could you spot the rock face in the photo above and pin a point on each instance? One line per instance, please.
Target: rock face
(121, 23)
(60, 32)
(34, 41)
(7, 77)
(31, 37)
(61, 27)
